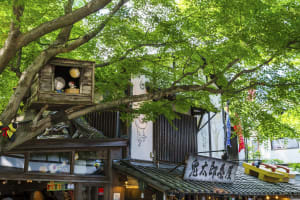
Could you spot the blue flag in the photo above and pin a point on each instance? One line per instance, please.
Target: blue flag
(228, 128)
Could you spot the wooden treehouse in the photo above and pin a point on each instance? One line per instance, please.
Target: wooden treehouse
(62, 83)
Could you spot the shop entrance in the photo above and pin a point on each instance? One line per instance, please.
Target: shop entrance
(89, 192)
(37, 190)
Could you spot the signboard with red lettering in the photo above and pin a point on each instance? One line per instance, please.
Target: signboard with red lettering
(202, 168)
(59, 186)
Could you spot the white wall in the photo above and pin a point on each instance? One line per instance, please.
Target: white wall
(217, 131)
(141, 131)
(286, 155)
(203, 137)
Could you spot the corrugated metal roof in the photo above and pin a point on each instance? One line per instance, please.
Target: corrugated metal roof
(244, 185)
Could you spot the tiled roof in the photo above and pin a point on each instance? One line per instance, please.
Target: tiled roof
(172, 181)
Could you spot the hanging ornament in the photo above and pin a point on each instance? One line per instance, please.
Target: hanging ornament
(8, 131)
(97, 164)
(74, 73)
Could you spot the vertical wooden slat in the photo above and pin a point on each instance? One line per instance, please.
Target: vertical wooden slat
(78, 192)
(209, 135)
(169, 140)
(93, 82)
(173, 145)
(72, 162)
(104, 121)
(108, 174)
(26, 162)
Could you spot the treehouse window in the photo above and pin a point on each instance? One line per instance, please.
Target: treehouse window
(67, 80)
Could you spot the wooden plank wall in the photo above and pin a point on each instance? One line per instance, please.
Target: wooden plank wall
(171, 144)
(46, 78)
(104, 121)
(86, 81)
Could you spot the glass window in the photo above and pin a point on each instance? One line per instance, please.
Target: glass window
(9, 162)
(89, 162)
(50, 162)
(285, 143)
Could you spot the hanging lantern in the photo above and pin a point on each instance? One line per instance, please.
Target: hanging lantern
(74, 73)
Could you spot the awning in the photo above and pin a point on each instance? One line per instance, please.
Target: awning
(171, 181)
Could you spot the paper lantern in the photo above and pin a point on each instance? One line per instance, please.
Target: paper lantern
(74, 73)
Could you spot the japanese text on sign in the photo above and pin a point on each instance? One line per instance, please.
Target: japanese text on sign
(201, 168)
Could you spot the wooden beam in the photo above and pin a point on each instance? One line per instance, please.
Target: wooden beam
(50, 177)
(69, 144)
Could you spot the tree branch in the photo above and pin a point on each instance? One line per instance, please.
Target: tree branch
(64, 34)
(62, 21)
(17, 66)
(247, 71)
(253, 85)
(129, 51)
(191, 73)
(230, 65)
(8, 51)
(15, 40)
(84, 39)
(25, 81)
(24, 84)
(23, 136)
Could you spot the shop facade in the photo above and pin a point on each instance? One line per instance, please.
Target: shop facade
(60, 169)
(145, 180)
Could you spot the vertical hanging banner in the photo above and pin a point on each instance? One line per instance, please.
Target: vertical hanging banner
(201, 168)
(228, 131)
(238, 129)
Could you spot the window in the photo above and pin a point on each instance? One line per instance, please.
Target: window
(50, 162)
(89, 162)
(12, 162)
(67, 80)
(284, 143)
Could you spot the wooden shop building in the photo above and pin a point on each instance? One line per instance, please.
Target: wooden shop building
(71, 160)
(99, 158)
(56, 165)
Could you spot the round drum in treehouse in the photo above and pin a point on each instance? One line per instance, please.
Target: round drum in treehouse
(74, 73)
(72, 89)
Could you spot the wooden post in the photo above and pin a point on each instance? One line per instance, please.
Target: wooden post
(108, 173)
(26, 162)
(89, 193)
(78, 192)
(72, 162)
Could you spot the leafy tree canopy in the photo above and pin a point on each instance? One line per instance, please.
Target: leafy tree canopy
(188, 48)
